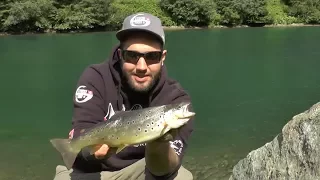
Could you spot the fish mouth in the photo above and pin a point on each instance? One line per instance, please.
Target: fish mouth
(185, 113)
(189, 114)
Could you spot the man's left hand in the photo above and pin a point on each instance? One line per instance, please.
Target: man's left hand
(169, 136)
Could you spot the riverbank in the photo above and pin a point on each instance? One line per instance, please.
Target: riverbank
(168, 28)
(242, 26)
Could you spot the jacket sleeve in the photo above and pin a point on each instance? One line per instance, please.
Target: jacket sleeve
(179, 143)
(88, 110)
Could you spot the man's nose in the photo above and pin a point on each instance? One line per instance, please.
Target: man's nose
(141, 64)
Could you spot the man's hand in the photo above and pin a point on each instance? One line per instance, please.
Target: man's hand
(161, 159)
(169, 136)
(102, 151)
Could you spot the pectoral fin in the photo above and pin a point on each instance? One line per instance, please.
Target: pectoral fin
(120, 148)
(165, 125)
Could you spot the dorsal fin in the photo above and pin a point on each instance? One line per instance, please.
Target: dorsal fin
(136, 107)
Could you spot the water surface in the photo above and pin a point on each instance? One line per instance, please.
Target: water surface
(246, 83)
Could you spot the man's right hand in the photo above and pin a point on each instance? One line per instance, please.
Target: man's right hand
(102, 151)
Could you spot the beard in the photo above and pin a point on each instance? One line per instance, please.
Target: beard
(141, 89)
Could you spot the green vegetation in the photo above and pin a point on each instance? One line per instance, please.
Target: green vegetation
(20, 16)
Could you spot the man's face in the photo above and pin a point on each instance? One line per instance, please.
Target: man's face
(142, 71)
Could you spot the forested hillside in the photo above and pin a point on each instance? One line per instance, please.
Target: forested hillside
(19, 16)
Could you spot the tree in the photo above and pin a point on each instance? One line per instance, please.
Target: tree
(190, 12)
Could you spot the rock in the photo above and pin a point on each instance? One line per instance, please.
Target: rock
(293, 154)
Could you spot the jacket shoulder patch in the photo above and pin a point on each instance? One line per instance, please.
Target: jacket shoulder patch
(83, 94)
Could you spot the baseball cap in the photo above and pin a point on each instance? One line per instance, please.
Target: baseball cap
(142, 21)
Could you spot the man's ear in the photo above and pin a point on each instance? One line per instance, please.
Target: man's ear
(119, 53)
(164, 55)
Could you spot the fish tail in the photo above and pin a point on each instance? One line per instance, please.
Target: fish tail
(64, 147)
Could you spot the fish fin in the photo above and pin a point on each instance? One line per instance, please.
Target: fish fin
(120, 148)
(116, 112)
(63, 146)
(136, 107)
(164, 128)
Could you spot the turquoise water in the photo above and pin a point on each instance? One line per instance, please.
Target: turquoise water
(246, 83)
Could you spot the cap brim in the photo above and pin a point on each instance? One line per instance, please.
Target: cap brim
(122, 34)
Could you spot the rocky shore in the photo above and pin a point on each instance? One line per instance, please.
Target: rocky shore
(293, 154)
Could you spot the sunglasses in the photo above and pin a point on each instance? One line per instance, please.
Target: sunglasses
(134, 56)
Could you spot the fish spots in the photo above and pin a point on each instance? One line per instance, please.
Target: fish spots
(118, 123)
(152, 122)
(128, 122)
(133, 121)
(146, 130)
(148, 125)
(139, 129)
(98, 130)
(112, 136)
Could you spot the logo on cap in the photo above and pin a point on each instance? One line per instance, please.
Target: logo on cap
(140, 20)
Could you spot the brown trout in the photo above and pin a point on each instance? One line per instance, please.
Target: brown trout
(126, 128)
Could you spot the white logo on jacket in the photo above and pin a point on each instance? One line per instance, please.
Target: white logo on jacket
(83, 94)
(177, 145)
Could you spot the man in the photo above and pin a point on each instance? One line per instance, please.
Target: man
(134, 76)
